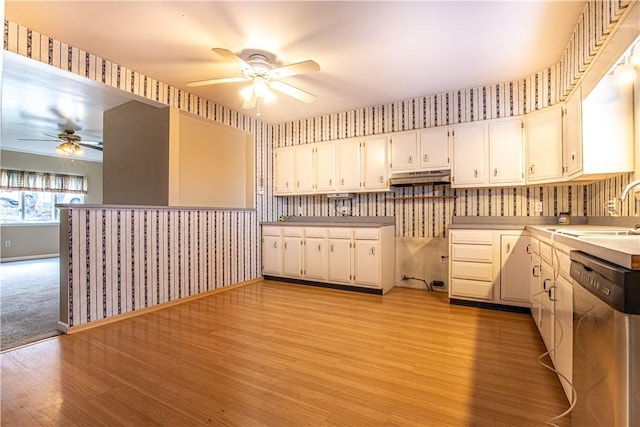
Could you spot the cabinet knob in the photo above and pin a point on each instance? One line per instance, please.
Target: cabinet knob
(319, 247)
(475, 173)
(495, 172)
(534, 272)
(285, 245)
(330, 181)
(532, 169)
(275, 245)
(508, 247)
(373, 251)
(342, 181)
(381, 178)
(410, 159)
(425, 158)
(528, 248)
(331, 248)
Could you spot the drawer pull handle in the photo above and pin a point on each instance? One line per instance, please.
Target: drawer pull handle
(536, 273)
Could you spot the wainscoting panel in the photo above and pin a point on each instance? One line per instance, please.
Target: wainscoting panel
(122, 260)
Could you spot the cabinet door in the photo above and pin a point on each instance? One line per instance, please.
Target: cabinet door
(339, 260)
(506, 149)
(469, 154)
(535, 287)
(547, 307)
(374, 164)
(326, 167)
(348, 165)
(304, 172)
(563, 334)
(292, 256)
(366, 260)
(315, 258)
(284, 170)
(403, 151)
(572, 133)
(544, 145)
(434, 148)
(611, 119)
(271, 255)
(515, 260)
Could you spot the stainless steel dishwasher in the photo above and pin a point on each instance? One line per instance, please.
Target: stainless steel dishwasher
(606, 343)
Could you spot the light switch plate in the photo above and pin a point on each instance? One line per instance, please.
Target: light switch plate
(537, 207)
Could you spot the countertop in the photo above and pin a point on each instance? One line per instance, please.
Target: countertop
(335, 221)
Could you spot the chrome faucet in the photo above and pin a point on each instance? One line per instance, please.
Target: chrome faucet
(625, 192)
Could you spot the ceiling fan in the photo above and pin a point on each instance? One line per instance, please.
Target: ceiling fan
(263, 78)
(69, 142)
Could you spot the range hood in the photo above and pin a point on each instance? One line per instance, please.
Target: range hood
(405, 179)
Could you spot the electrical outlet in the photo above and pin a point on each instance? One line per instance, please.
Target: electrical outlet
(7, 243)
(537, 207)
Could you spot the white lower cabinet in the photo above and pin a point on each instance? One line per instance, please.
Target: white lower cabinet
(271, 251)
(490, 266)
(340, 255)
(552, 305)
(353, 256)
(292, 252)
(315, 254)
(366, 257)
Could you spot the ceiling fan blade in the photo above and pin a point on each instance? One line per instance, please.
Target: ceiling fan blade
(41, 140)
(294, 69)
(251, 102)
(92, 146)
(292, 91)
(216, 81)
(232, 57)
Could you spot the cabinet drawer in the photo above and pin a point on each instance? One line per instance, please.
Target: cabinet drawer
(271, 231)
(472, 237)
(472, 270)
(366, 233)
(315, 232)
(471, 289)
(545, 252)
(473, 253)
(292, 231)
(339, 233)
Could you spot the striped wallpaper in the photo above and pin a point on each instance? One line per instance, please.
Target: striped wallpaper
(235, 235)
(122, 260)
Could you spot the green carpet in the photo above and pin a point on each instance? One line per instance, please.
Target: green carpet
(29, 301)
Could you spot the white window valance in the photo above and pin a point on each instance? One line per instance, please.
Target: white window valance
(42, 181)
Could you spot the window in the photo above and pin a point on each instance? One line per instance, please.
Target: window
(33, 206)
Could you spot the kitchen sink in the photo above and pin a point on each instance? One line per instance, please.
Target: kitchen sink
(594, 233)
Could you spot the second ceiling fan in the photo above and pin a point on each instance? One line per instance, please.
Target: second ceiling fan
(263, 77)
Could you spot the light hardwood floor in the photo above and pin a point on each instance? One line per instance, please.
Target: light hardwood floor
(281, 354)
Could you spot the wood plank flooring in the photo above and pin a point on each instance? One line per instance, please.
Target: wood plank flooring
(279, 354)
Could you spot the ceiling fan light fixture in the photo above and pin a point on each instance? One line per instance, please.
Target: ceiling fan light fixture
(69, 148)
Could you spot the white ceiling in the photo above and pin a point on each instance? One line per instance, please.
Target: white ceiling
(370, 53)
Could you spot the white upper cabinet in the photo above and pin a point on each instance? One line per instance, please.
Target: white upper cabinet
(607, 129)
(325, 165)
(544, 145)
(284, 170)
(469, 154)
(403, 152)
(374, 163)
(304, 168)
(506, 147)
(348, 153)
(435, 153)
